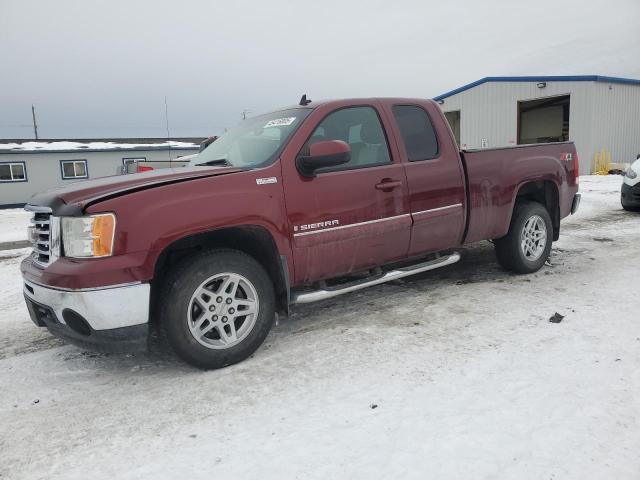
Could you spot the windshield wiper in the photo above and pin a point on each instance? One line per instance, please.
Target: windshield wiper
(217, 161)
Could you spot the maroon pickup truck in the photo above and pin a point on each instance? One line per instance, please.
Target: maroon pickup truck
(294, 206)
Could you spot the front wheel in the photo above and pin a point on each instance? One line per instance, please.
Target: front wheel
(630, 209)
(526, 247)
(217, 308)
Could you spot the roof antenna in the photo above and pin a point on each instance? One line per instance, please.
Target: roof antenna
(304, 101)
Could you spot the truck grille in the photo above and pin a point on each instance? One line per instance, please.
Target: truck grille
(44, 234)
(42, 238)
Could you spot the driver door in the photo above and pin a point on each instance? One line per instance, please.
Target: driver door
(350, 217)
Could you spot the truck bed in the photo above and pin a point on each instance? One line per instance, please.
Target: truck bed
(494, 177)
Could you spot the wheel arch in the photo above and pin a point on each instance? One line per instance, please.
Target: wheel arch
(254, 240)
(544, 191)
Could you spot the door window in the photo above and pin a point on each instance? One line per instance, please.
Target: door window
(360, 127)
(417, 132)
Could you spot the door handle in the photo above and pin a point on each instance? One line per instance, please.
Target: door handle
(387, 185)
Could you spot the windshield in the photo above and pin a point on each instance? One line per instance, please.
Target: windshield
(255, 142)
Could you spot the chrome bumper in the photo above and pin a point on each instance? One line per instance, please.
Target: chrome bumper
(102, 308)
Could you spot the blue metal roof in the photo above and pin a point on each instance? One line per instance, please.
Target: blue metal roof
(543, 78)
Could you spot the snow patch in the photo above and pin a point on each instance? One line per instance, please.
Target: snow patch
(35, 146)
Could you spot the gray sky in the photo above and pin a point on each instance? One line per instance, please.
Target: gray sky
(102, 68)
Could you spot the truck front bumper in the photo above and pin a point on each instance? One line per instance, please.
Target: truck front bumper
(112, 319)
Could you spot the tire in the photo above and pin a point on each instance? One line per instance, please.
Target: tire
(201, 304)
(529, 257)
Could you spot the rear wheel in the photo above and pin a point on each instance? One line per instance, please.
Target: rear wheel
(526, 247)
(217, 308)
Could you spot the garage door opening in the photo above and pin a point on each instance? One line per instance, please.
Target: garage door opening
(544, 120)
(454, 122)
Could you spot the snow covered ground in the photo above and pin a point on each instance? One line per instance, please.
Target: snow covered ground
(13, 224)
(455, 373)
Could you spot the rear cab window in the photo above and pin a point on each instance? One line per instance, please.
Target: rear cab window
(419, 136)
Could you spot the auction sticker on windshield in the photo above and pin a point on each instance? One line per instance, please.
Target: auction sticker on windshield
(280, 122)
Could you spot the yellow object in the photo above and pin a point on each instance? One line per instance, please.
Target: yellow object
(102, 233)
(602, 162)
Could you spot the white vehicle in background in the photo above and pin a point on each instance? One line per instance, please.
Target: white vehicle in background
(138, 165)
(134, 165)
(630, 195)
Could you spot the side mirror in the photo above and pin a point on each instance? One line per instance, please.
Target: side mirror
(328, 153)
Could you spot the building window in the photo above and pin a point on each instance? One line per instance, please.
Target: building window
(13, 172)
(74, 169)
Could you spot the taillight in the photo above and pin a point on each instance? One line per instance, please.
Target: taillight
(576, 168)
(144, 168)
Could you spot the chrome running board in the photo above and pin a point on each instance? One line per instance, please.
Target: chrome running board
(323, 294)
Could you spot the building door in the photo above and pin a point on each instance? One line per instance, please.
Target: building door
(544, 120)
(454, 122)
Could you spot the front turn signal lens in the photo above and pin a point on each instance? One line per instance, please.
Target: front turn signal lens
(103, 229)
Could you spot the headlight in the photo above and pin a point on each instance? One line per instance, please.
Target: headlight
(631, 173)
(87, 237)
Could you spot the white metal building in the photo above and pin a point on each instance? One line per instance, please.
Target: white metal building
(31, 166)
(600, 114)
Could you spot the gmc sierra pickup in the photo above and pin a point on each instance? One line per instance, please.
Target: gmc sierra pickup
(294, 206)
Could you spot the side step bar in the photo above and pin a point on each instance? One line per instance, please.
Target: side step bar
(314, 296)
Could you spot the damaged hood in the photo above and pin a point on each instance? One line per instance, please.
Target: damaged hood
(74, 198)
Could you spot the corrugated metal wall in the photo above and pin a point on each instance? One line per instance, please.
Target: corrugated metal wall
(616, 120)
(602, 116)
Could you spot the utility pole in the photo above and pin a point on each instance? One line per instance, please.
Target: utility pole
(35, 125)
(166, 117)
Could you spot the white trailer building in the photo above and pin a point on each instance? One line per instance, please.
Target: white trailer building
(31, 166)
(600, 114)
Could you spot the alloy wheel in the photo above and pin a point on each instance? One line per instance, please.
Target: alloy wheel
(533, 238)
(223, 310)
